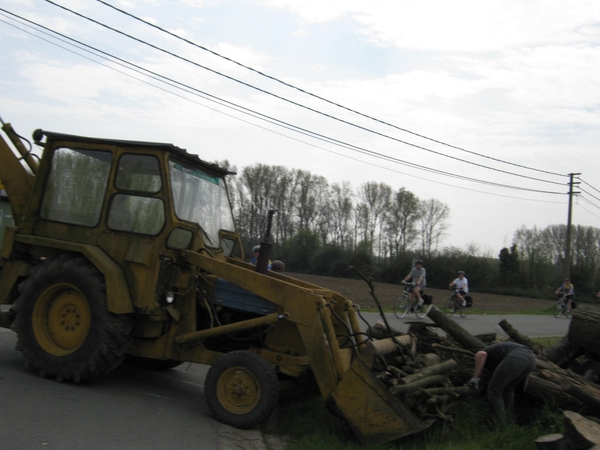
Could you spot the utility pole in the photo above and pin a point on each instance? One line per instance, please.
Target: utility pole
(567, 268)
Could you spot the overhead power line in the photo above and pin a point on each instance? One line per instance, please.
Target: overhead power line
(588, 184)
(318, 96)
(293, 102)
(187, 88)
(593, 196)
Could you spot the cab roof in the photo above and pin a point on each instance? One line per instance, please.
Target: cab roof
(177, 151)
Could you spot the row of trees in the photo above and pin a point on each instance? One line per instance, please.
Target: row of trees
(325, 229)
(388, 223)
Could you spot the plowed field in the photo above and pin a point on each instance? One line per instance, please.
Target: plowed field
(358, 291)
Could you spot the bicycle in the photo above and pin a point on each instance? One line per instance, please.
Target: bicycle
(561, 307)
(403, 304)
(454, 305)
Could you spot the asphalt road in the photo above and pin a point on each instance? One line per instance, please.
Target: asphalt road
(531, 326)
(130, 409)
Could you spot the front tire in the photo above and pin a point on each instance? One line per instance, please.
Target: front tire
(401, 306)
(421, 311)
(241, 389)
(450, 306)
(558, 309)
(63, 325)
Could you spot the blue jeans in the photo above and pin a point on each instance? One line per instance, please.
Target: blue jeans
(509, 373)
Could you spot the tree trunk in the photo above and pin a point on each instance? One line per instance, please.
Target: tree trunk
(550, 442)
(546, 389)
(519, 338)
(458, 333)
(581, 433)
(585, 328)
(563, 352)
(586, 393)
(421, 383)
(445, 367)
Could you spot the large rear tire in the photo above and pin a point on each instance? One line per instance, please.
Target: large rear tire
(63, 325)
(241, 389)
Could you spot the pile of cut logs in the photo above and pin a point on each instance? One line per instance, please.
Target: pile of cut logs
(428, 371)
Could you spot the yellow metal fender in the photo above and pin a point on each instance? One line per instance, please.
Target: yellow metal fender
(117, 291)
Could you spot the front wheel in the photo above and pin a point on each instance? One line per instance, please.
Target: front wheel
(462, 310)
(241, 389)
(63, 325)
(421, 311)
(450, 306)
(401, 306)
(558, 309)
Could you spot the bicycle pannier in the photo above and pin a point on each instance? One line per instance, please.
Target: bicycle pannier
(469, 300)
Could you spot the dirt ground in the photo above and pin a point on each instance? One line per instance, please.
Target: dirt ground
(358, 291)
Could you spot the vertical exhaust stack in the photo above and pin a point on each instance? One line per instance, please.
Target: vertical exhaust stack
(264, 254)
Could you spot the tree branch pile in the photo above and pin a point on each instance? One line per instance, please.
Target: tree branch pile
(428, 370)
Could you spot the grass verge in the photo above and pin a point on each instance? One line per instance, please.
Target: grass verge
(307, 425)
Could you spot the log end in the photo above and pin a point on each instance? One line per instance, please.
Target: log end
(550, 442)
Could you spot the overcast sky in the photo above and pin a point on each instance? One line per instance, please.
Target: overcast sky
(500, 98)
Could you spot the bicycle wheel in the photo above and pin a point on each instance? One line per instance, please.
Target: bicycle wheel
(401, 306)
(449, 306)
(462, 310)
(568, 312)
(558, 309)
(421, 311)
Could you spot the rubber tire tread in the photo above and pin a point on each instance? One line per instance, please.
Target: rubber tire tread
(266, 377)
(109, 335)
(401, 306)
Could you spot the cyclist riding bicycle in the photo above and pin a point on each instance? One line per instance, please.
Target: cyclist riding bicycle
(419, 277)
(462, 286)
(567, 291)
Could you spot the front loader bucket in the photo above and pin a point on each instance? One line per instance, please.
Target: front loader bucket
(375, 414)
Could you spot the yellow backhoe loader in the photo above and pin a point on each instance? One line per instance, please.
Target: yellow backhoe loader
(130, 249)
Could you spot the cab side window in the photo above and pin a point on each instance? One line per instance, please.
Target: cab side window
(130, 210)
(76, 186)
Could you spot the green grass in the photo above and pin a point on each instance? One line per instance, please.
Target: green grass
(307, 425)
(547, 341)
(548, 311)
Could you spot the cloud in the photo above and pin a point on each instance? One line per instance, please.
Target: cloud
(458, 26)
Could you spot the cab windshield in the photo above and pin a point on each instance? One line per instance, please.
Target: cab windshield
(201, 198)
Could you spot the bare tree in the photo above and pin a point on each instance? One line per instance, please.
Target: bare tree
(257, 193)
(340, 207)
(401, 221)
(375, 200)
(433, 222)
(310, 198)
